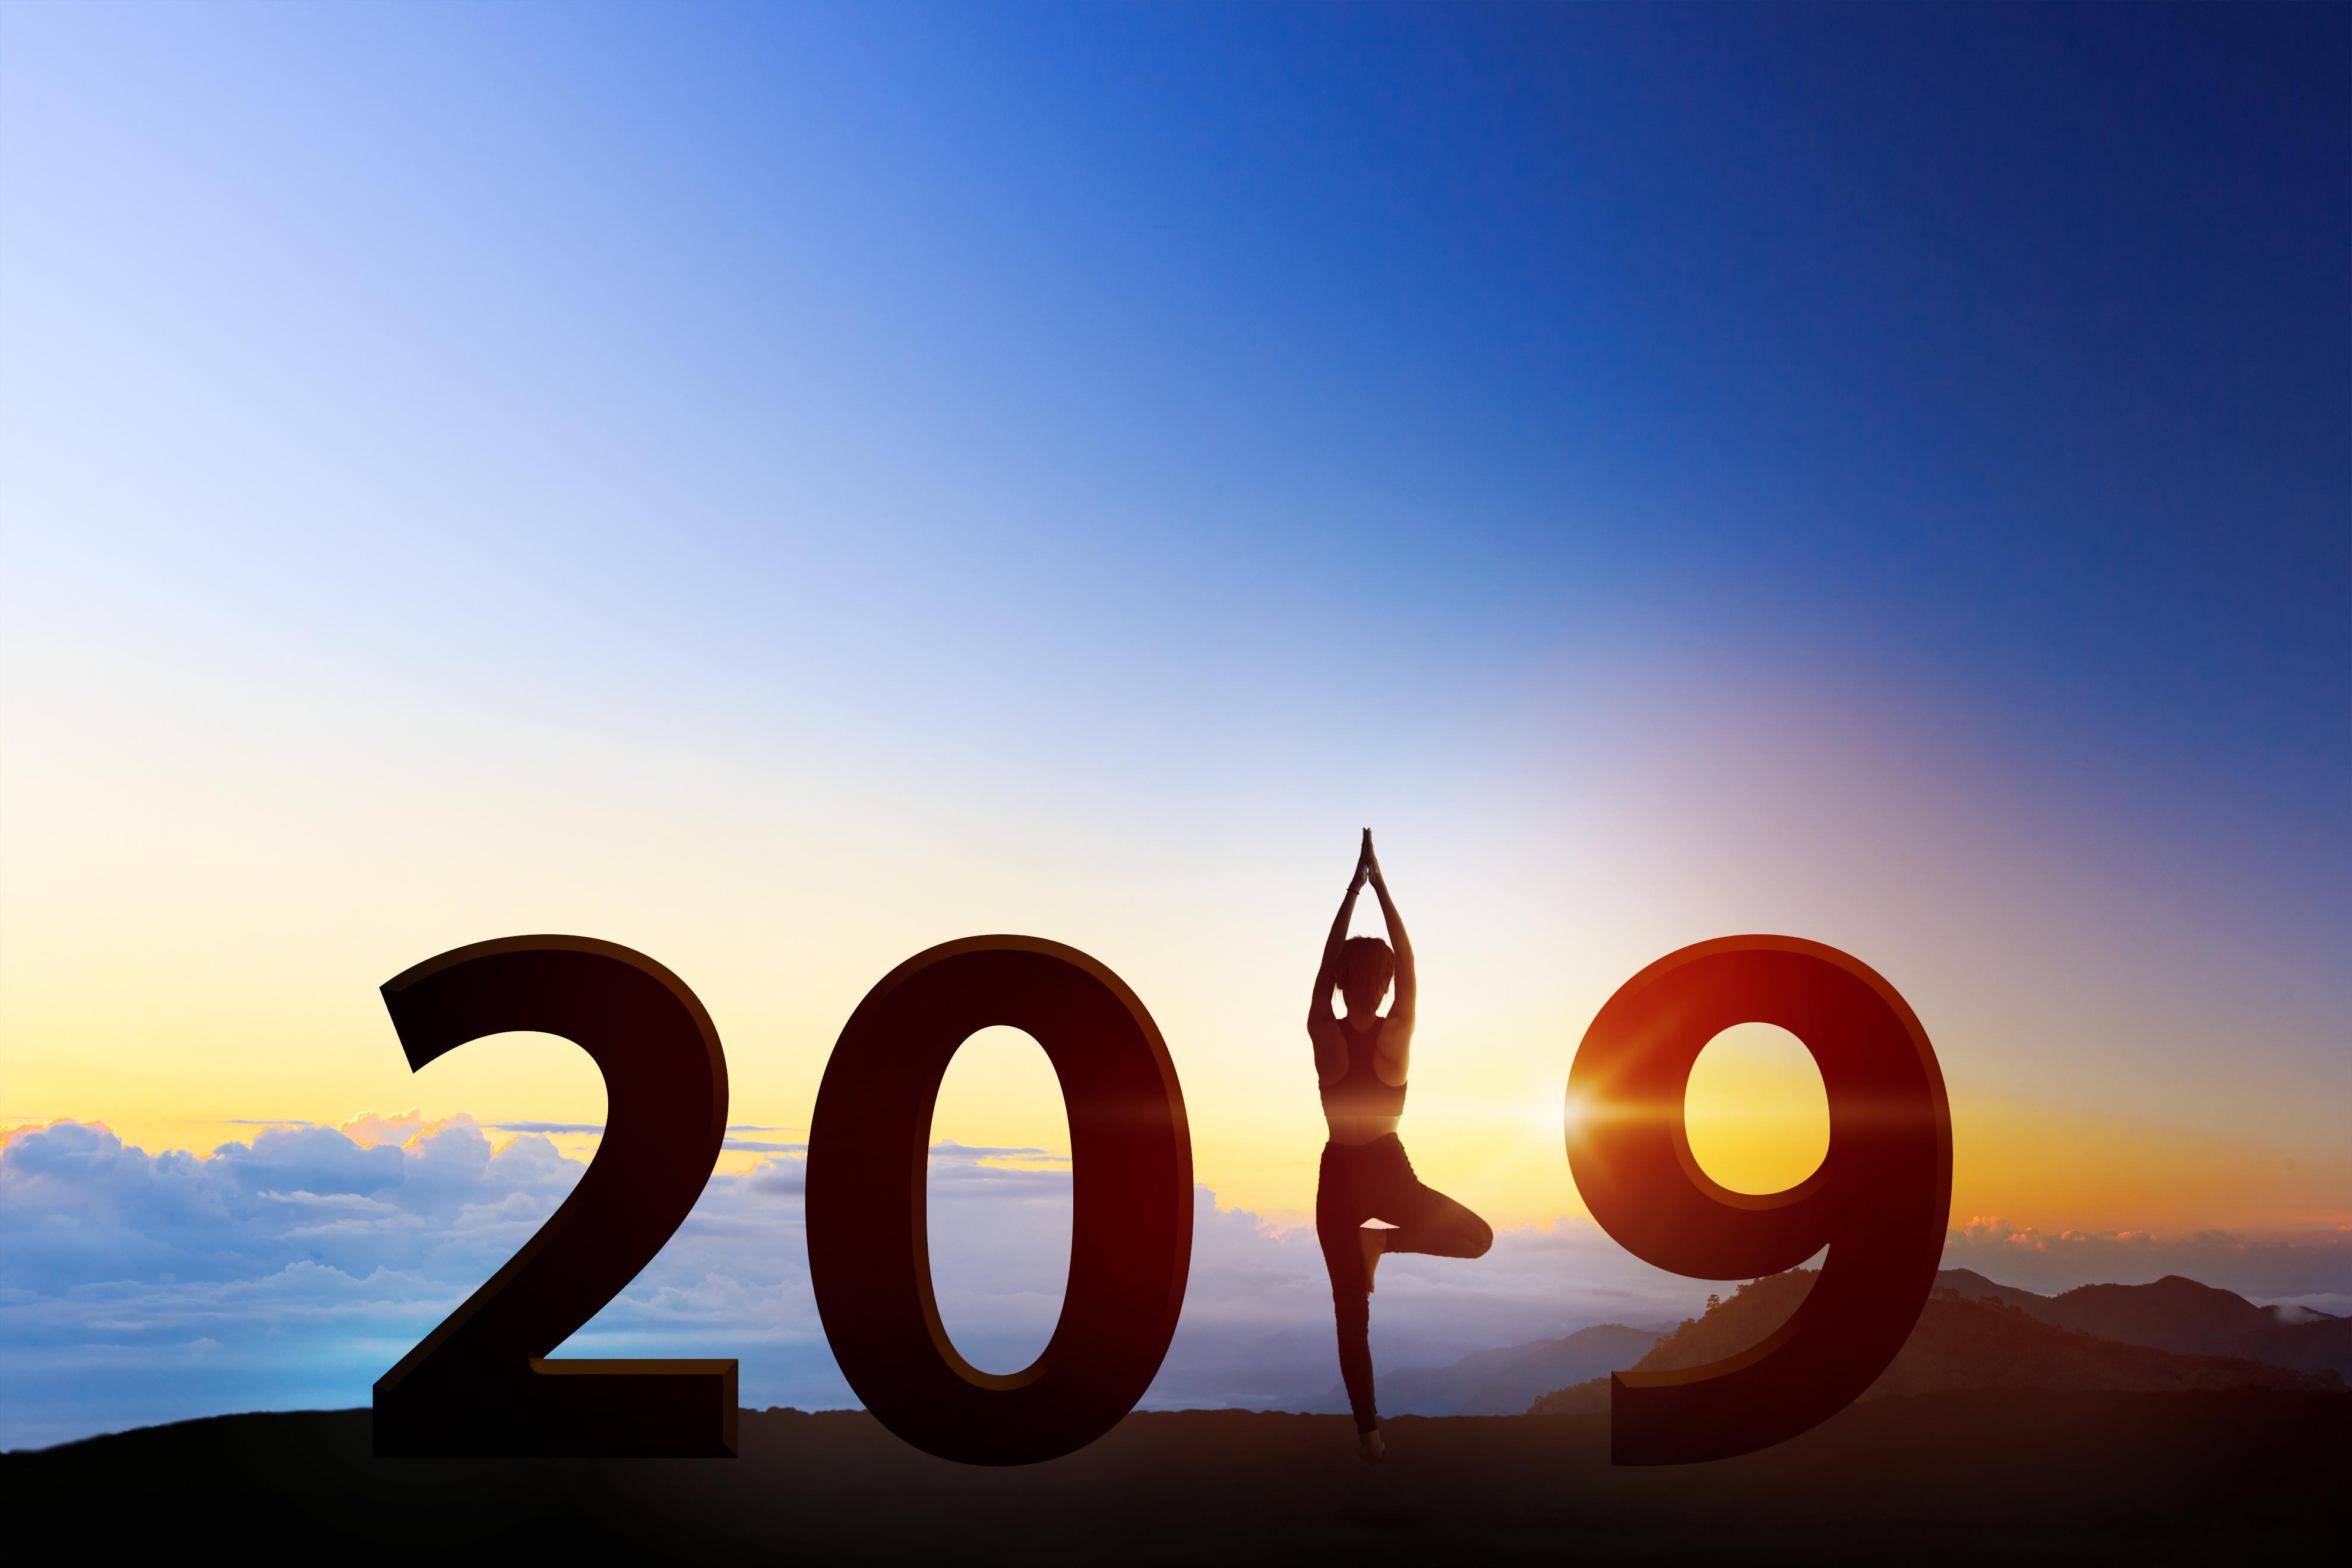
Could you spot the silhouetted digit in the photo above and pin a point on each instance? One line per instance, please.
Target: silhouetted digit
(475, 1385)
(1131, 1234)
(1880, 1201)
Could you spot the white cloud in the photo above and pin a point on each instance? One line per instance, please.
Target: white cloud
(310, 1262)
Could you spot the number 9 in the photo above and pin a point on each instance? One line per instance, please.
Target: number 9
(1880, 1201)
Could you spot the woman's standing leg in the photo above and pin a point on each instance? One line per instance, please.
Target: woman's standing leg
(1340, 1214)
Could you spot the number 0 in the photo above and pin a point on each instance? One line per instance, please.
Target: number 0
(1131, 1234)
(1880, 1200)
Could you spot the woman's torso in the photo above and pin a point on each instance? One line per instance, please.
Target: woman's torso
(1358, 1104)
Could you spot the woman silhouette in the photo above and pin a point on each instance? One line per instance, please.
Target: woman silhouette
(1360, 1062)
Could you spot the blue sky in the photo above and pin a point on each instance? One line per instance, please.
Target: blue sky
(781, 486)
(2000, 351)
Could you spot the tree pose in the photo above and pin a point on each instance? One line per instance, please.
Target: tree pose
(1360, 1062)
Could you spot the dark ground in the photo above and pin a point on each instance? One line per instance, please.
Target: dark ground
(1990, 1474)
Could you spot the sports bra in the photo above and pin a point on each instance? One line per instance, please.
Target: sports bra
(1360, 1091)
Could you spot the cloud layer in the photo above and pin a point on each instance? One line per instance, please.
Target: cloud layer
(138, 1288)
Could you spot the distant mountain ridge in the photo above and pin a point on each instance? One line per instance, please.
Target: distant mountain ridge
(2183, 1316)
(1502, 1382)
(1478, 1385)
(2173, 1315)
(1970, 1336)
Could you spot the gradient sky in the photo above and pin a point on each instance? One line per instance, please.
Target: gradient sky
(782, 485)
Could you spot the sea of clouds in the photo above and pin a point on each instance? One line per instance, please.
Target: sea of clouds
(139, 1287)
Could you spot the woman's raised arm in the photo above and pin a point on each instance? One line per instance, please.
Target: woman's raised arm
(1396, 1034)
(1322, 1025)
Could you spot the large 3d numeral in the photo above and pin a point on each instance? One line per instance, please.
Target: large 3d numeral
(475, 1385)
(1131, 1238)
(1880, 1200)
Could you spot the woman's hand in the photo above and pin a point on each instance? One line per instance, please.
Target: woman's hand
(1367, 865)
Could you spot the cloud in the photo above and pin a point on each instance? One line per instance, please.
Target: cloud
(303, 1259)
(371, 1127)
(949, 1149)
(548, 1126)
(138, 1288)
(314, 1259)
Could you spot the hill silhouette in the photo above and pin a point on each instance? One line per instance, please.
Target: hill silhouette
(2183, 1315)
(1964, 1478)
(1962, 1344)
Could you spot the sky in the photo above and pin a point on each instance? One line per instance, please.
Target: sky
(780, 486)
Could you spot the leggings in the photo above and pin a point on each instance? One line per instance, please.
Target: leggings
(1375, 1180)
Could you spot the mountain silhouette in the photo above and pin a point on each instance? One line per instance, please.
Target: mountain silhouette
(1985, 1343)
(2178, 1314)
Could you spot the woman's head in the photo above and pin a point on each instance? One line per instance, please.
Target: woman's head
(1366, 967)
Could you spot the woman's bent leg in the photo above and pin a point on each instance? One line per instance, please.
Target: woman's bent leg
(1428, 1221)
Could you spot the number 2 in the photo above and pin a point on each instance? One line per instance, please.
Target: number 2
(1880, 1200)
(476, 1386)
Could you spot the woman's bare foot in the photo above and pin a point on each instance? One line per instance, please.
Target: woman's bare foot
(1375, 1244)
(1370, 1447)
